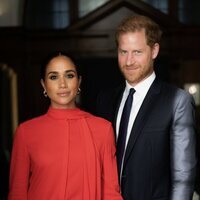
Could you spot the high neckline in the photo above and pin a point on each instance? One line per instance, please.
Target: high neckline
(74, 113)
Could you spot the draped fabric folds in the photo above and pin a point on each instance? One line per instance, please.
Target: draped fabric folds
(64, 154)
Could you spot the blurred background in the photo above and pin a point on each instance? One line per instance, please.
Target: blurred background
(32, 29)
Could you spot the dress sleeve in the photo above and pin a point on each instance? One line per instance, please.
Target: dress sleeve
(19, 168)
(183, 149)
(110, 185)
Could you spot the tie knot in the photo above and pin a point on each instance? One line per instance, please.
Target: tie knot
(131, 91)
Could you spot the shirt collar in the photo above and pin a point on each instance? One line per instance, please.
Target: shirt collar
(143, 86)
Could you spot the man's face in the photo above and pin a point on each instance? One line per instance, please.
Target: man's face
(135, 57)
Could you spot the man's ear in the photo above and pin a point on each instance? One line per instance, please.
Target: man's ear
(155, 50)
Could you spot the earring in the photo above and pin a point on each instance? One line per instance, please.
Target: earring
(79, 91)
(45, 93)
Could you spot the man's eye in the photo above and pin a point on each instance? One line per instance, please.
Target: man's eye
(137, 52)
(122, 52)
(53, 77)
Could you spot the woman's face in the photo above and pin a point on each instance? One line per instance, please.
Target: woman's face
(61, 82)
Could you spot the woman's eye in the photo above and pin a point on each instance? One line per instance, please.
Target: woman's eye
(70, 75)
(53, 77)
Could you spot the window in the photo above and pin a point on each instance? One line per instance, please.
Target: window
(50, 14)
(189, 12)
(86, 6)
(60, 13)
(160, 5)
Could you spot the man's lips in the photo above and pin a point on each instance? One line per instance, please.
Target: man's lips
(131, 68)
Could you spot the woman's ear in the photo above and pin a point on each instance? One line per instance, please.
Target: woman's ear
(42, 83)
(80, 80)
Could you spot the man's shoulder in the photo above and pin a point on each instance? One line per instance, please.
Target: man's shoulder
(173, 89)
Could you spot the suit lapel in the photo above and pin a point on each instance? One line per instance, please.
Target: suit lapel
(142, 116)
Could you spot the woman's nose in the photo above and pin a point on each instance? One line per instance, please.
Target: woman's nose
(63, 83)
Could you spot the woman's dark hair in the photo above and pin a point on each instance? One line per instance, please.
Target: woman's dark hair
(54, 55)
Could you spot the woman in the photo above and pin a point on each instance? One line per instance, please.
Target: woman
(67, 153)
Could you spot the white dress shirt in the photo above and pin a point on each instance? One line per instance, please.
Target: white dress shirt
(141, 91)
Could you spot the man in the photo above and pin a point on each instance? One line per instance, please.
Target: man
(159, 158)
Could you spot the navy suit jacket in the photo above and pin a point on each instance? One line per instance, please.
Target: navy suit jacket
(160, 158)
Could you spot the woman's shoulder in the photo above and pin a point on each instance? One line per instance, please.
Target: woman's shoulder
(32, 122)
(27, 129)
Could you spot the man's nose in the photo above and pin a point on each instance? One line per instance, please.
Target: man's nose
(130, 59)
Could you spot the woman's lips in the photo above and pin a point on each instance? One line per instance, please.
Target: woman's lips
(63, 94)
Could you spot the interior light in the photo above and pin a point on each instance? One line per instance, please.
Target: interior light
(194, 90)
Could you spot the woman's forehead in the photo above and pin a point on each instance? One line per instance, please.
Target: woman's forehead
(60, 63)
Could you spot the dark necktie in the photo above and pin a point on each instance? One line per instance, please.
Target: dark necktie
(123, 128)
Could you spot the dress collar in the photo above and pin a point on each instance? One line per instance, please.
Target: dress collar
(75, 113)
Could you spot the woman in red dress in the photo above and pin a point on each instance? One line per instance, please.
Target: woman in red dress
(67, 153)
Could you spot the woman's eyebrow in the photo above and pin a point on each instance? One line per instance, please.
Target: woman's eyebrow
(56, 72)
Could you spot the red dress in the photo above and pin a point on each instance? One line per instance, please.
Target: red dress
(64, 155)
